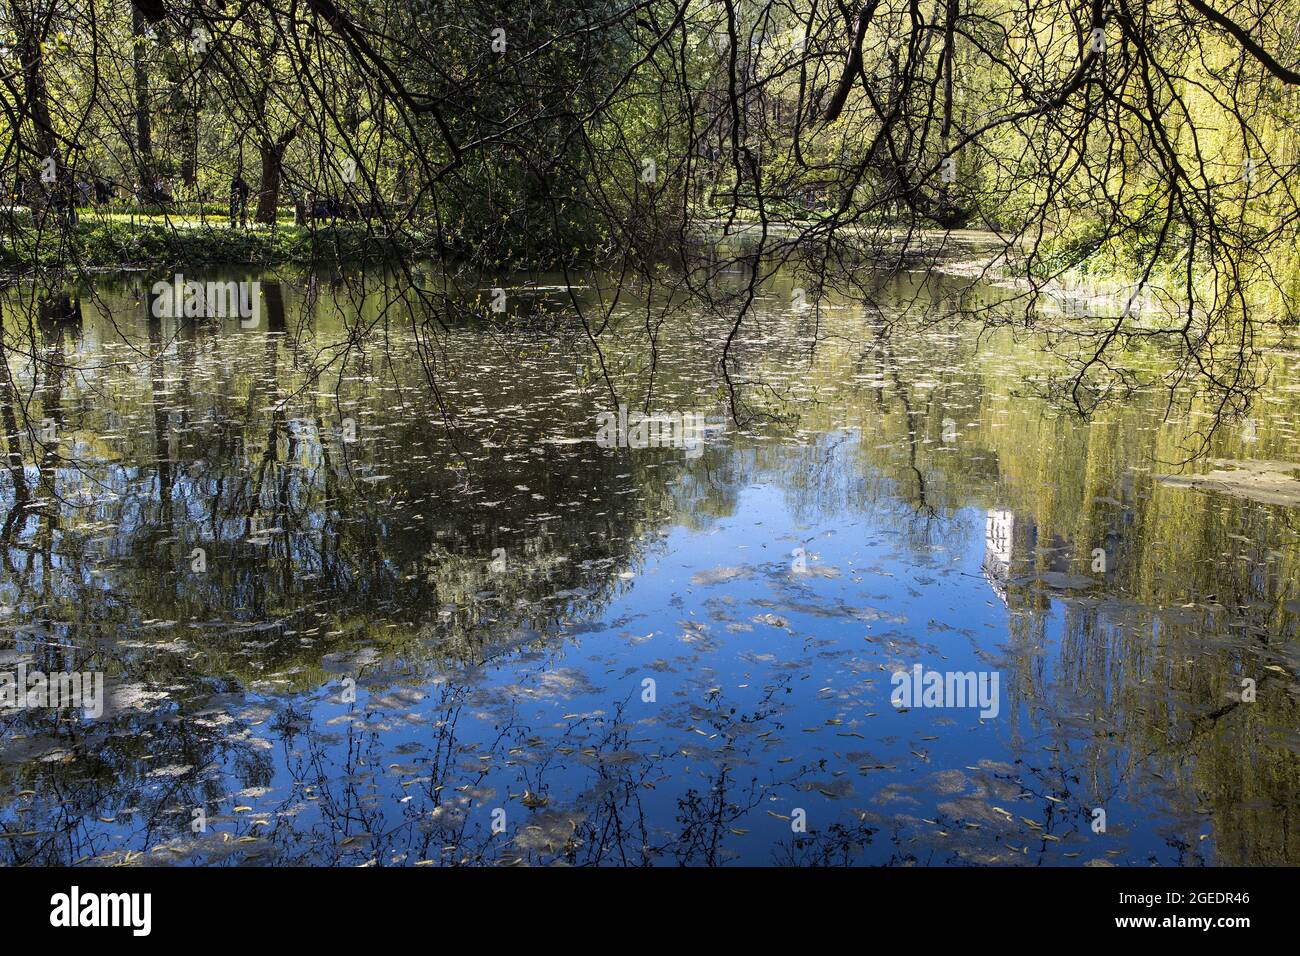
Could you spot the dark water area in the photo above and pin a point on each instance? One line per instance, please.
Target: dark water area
(366, 589)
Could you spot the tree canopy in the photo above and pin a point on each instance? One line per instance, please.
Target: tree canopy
(1148, 141)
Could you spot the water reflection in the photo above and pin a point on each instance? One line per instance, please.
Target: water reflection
(367, 591)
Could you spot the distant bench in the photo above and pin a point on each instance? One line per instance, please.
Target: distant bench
(325, 207)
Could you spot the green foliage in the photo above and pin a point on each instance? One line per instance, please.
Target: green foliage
(111, 244)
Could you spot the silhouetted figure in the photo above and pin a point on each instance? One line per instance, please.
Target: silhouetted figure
(238, 202)
(103, 191)
(63, 200)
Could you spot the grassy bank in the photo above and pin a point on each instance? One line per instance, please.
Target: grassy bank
(122, 241)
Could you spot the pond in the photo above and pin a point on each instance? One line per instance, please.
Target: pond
(369, 586)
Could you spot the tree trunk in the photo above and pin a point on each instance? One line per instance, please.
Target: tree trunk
(268, 194)
(35, 105)
(143, 133)
(945, 131)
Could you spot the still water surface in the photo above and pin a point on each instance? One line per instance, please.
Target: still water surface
(628, 656)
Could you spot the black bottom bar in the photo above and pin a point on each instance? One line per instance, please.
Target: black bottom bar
(337, 906)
